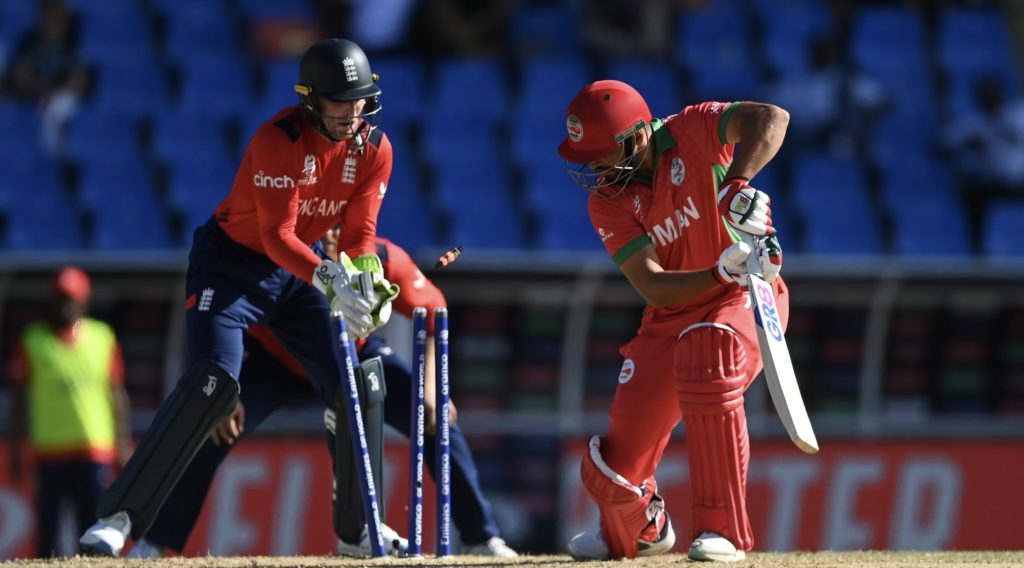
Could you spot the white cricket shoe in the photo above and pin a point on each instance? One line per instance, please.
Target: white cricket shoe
(145, 549)
(495, 546)
(714, 547)
(590, 545)
(107, 536)
(394, 544)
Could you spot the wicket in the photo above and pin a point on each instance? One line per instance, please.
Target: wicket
(442, 439)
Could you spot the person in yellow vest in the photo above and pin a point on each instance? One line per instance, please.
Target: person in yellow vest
(68, 374)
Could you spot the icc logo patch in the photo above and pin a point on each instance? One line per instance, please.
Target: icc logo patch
(628, 368)
(575, 128)
(678, 170)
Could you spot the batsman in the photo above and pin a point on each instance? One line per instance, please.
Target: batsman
(671, 200)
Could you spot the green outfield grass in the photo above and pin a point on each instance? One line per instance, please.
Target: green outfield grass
(761, 560)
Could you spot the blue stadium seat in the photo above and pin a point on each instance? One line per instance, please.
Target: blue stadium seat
(934, 227)
(563, 228)
(218, 85)
(961, 83)
(261, 10)
(541, 31)
(193, 30)
(98, 136)
(104, 183)
(451, 143)
(656, 81)
(16, 18)
(179, 136)
(406, 217)
(837, 214)
(974, 39)
(19, 131)
(26, 172)
(789, 29)
(472, 89)
(714, 46)
(1001, 232)
(278, 89)
(890, 45)
(546, 87)
(122, 201)
(116, 34)
(928, 217)
(129, 87)
(894, 137)
(44, 220)
(135, 223)
(479, 206)
(560, 209)
(402, 90)
(194, 188)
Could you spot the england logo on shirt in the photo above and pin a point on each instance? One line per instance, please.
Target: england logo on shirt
(348, 172)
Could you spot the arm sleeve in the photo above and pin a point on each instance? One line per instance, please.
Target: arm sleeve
(620, 233)
(417, 290)
(707, 123)
(359, 221)
(277, 209)
(116, 365)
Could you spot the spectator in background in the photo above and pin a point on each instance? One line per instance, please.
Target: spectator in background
(376, 25)
(68, 376)
(461, 27)
(986, 149)
(620, 28)
(836, 105)
(44, 69)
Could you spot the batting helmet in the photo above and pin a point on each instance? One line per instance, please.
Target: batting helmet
(337, 70)
(601, 117)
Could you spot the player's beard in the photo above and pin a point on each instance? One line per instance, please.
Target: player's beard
(342, 130)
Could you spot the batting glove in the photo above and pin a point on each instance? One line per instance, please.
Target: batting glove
(769, 256)
(745, 208)
(732, 264)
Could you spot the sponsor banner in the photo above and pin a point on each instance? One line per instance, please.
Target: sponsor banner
(272, 497)
(905, 495)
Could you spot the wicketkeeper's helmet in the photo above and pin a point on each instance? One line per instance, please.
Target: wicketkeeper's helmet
(337, 70)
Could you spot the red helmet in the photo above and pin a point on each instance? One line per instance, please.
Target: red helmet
(599, 118)
(72, 283)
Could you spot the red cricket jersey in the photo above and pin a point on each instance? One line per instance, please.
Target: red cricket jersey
(678, 214)
(294, 184)
(400, 269)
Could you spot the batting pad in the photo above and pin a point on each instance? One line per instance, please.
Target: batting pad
(710, 368)
(205, 395)
(626, 509)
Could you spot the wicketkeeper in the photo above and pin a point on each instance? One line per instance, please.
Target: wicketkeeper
(669, 198)
(314, 165)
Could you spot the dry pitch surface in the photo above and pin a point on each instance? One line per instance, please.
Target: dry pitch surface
(761, 560)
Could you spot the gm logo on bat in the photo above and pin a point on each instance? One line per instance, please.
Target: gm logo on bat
(768, 312)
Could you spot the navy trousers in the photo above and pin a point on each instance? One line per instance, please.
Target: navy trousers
(267, 385)
(230, 287)
(78, 482)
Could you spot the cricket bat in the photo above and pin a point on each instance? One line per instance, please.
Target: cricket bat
(778, 367)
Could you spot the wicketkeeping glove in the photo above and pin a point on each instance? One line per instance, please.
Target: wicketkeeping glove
(358, 290)
(745, 208)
